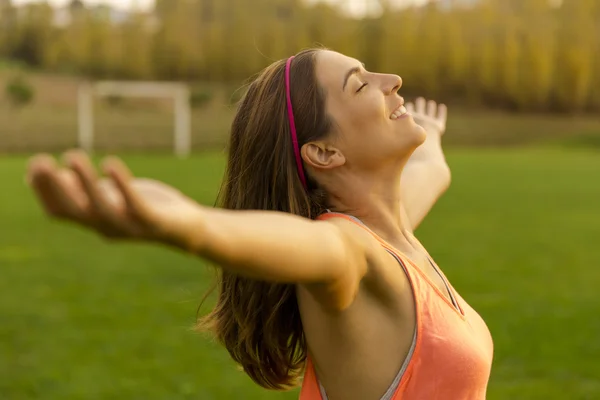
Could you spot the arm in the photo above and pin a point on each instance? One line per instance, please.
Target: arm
(330, 258)
(280, 247)
(426, 176)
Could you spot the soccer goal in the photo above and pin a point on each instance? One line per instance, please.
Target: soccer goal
(179, 92)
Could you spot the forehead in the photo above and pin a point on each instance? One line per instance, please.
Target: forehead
(331, 67)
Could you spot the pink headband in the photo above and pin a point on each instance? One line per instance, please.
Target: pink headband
(293, 124)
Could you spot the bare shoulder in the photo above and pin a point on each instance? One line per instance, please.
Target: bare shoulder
(369, 266)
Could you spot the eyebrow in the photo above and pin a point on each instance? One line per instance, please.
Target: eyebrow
(351, 71)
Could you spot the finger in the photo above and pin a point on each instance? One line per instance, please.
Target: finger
(420, 105)
(431, 109)
(122, 177)
(410, 108)
(39, 172)
(38, 164)
(45, 178)
(80, 163)
(111, 193)
(442, 113)
(70, 184)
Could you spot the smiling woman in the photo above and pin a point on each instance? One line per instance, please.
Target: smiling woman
(321, 275)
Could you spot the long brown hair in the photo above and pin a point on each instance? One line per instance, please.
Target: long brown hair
(259, 322)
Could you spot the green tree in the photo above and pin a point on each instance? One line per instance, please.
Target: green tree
(509, 62)
(32, 30)
(576, 60)
(539, 55)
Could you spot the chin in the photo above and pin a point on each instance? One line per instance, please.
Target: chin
(419, 135)
(412, 140)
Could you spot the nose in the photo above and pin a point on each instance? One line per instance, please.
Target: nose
(392, 83)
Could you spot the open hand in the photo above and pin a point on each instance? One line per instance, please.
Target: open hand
(117, 207)
(430, 115)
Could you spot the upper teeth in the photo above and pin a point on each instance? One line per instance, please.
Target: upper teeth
(398, 113)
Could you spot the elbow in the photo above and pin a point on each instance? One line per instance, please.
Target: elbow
(444, 174)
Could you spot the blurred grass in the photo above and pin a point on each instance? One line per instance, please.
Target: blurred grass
(517, 234)
(81, 320)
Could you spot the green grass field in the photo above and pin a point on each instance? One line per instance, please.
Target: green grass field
(517, 234)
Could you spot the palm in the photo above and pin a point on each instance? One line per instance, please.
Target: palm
(119, 207)
(162, 202)
(430, 115)
(167, 208)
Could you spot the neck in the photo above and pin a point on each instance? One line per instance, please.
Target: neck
(373, 198)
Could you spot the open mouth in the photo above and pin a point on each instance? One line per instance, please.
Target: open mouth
(399, 113)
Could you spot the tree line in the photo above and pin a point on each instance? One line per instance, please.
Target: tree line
(525, 55)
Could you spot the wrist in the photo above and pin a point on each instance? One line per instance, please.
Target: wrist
(433, 133)
(188, 233)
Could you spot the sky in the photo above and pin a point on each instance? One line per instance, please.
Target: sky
(360, 7)
(355, 6)
(120, 4)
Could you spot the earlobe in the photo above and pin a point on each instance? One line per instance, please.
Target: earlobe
(322, 156)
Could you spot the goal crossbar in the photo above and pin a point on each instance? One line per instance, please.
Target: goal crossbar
(179, 92)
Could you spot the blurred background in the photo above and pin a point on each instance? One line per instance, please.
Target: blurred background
(517, 233)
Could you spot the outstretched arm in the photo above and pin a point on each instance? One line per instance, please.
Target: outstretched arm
(426, 176)
(331, 257)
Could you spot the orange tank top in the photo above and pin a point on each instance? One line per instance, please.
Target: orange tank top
(451, 356)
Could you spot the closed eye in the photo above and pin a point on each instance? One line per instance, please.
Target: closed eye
(362, 87)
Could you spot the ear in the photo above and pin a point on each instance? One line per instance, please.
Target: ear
(320, 155)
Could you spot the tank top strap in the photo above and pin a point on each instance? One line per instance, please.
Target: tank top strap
(331, 215)
(396, 253)
(420, 280)
(311, 389)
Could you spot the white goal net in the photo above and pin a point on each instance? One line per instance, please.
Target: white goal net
(179, 92)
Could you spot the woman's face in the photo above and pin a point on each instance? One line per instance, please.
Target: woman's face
(371, 123)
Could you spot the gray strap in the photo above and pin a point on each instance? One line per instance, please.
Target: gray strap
(389, 394)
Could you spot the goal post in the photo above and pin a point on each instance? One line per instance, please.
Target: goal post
(179, 92)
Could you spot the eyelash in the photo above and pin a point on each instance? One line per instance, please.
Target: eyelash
(362, 87)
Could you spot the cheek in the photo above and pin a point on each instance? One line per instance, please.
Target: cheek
(367, 113)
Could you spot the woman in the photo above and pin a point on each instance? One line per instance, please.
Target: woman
(321, 275)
